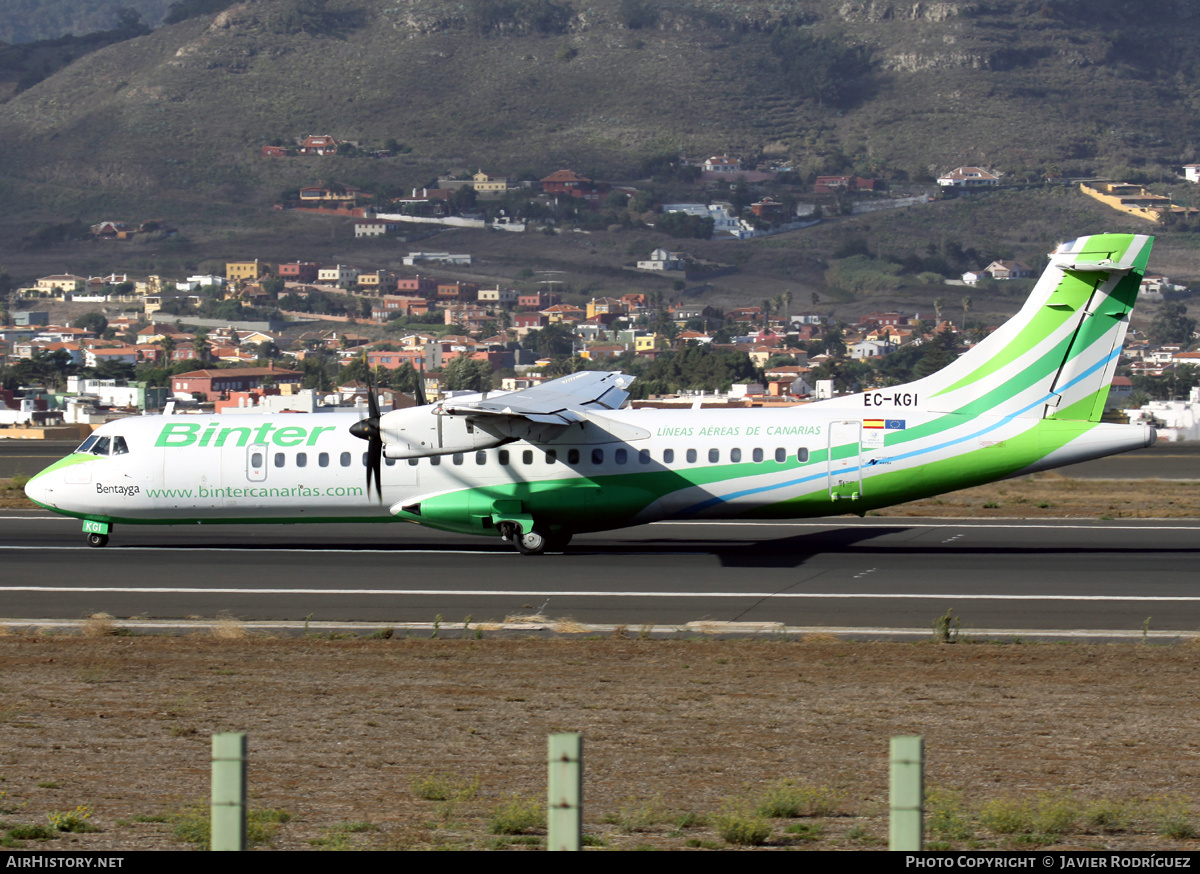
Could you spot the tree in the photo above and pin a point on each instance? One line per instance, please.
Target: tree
(467, 374)
(942, 351)
(1172, 325)
(94, 322)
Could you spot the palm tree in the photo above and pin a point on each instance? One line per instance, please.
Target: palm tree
(938, 303)
(966, 305)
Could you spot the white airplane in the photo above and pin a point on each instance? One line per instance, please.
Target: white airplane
(537, 466)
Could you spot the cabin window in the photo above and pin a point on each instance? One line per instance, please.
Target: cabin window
(527, 457)
(572, 456)
(781, 455)
(502, 456)
(551, 456)
(802, 455)
(597, 456)
(390, 462)
(668, 456)
(481, 457)
(281, 460)
(256, 460)
(758, 456)
(457, 458)
(714, 455)
(302, 459)
(621, 456)
(735, 455)
(644, 456)
(691, 456)
(412, 462)
(343, 459)
(364, 459)
(435, 460)
(323, 459)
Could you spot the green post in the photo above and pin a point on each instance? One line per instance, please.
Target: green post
(564, 797)
(229, 791)
(906, 829)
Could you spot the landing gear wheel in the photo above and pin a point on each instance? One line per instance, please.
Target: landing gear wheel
(97, 540)
(533, 543)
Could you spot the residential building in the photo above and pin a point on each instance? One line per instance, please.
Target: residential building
(969, 177)
(318, 145)
(505, 297)
(1008, 270)
(485, 184)
(339, 275)
(722, 164)
(236, 271)
(215, 382)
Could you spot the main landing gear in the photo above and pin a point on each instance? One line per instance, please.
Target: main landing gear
(97, 540)
(533, 542)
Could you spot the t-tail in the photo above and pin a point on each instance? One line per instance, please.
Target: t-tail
(1055, 358)
(1029, 397)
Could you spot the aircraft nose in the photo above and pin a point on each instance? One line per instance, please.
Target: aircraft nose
(37, 489)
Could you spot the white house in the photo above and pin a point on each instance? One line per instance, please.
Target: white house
(661, 259)
(1175, 420)
(968, 177)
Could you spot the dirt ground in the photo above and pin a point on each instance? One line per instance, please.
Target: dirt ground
(421, 744)
(1063, 745)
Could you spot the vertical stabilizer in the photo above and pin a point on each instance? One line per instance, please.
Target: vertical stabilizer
(1056, 357)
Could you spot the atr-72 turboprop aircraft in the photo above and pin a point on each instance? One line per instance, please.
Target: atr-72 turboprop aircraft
(537, 466)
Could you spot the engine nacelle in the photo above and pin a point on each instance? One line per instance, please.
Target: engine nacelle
(421, 431)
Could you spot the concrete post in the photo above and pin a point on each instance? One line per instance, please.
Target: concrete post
(564, 807)
(907, 792)
(229, 791)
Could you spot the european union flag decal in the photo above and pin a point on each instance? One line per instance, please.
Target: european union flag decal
(894, 424)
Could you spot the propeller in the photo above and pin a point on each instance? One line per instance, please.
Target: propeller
(368, 429)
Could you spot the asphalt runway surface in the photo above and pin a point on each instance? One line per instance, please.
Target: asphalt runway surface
(1172, 461)
(882, 575)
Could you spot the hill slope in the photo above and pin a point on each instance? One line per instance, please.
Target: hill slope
(910, 90)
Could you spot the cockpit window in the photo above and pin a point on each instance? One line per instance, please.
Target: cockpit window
(104, 446)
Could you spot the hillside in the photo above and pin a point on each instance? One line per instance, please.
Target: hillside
(171, 124)
(185, 108)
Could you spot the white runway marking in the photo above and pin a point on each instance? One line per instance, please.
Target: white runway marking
(590, 593)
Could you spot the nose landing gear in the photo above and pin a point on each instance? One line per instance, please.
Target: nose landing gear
(97, 532)
(534, 541)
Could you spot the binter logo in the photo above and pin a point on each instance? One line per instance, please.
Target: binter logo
(180, 434)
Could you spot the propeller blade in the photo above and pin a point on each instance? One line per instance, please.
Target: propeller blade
(420, 393)
(368, 429)
(375, 463)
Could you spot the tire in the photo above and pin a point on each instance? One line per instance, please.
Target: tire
(558, 542)
(97, 540)
(533, 543)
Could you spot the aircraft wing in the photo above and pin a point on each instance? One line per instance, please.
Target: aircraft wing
(562, 400)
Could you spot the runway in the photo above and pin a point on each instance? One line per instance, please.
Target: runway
(846, 573)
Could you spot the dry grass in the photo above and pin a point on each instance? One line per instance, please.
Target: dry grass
(338, 729)
(1054, 495)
